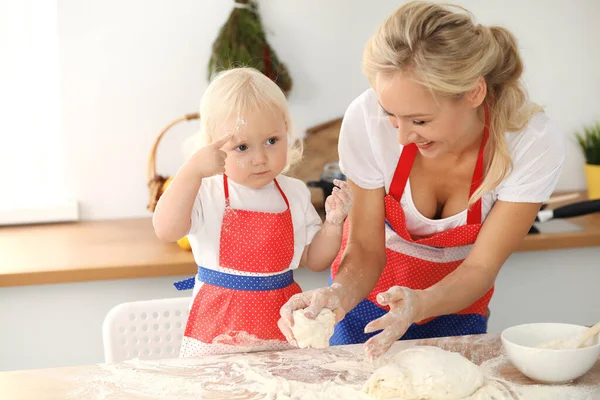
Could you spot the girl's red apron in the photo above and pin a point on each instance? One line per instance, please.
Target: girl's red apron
(237, 307)
(418, 264)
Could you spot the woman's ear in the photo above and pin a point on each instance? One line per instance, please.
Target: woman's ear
(476, 95)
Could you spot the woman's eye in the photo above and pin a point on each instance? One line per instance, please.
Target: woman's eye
(387, 114)
(418, 123)
(242, 147)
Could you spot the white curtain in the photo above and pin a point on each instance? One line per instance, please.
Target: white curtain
(32, 170)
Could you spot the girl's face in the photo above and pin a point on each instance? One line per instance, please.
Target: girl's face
(257, 150)
(438, 125)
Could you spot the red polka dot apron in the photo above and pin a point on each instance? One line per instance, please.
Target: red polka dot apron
(237, 307)
(418, 264)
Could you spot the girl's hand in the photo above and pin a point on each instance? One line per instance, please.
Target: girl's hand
(210, 159)
(313, 301)
(404, 309)
(337, 206)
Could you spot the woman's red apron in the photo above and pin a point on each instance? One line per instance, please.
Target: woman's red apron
(418, 264)
(237, 306)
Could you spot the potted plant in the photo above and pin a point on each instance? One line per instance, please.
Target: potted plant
(589, 141)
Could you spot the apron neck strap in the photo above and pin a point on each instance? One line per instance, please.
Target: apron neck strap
(226, 189)
(474, 213)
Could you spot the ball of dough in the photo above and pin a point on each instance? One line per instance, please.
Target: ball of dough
(313, 332)
(425, 372)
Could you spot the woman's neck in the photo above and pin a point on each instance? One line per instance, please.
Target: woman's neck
(471, 140)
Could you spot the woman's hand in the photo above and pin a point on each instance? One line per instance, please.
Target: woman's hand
(313, 301)
(338, 205)
(404, 310)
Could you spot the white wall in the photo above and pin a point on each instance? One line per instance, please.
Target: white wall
(61, 325)
(130, 67)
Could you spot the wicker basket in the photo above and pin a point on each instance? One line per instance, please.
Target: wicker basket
(156, 183)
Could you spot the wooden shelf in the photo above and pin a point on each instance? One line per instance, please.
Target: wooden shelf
(121, 249)
(87, 251)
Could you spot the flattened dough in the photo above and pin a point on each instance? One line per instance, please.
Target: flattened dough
(313, 332)
(425, 372)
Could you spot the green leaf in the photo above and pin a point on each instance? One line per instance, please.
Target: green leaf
(589, 141)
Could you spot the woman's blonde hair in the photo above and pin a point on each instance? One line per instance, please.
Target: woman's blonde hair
(449, 53)
(237, 92)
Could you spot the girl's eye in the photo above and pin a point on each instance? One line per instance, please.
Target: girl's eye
(387, 114)
(419, 123)
(242, 147)
(272, 140)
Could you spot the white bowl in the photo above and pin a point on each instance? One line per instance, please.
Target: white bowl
(548, 365)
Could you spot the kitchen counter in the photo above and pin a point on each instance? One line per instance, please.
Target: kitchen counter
(121, 249)
(331, 373)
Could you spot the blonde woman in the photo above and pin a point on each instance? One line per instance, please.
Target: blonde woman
(249, 226)
(448, 163)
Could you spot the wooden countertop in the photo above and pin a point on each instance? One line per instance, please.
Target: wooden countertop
(120, 249)
(332, 373)
(88, 251)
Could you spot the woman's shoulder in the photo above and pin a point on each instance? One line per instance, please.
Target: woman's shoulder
(540, 136)
(364, 120)
(365, 104)
(537, 153)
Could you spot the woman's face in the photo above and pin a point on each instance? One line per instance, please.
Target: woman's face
(437, 125)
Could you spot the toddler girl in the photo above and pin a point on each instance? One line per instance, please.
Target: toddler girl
(248, 225)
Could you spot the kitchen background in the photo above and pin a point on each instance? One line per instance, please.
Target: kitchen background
(127, 68)
(130, 67)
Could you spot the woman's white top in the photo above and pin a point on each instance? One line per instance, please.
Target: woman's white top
(369, 152)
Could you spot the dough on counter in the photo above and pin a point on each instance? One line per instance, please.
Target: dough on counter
(313, 332)
(425, 372)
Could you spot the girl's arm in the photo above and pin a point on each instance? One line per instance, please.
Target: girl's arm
(172, 216)
(323, 249)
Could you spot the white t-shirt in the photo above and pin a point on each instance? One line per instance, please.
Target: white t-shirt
(369, 152)
(207, 215)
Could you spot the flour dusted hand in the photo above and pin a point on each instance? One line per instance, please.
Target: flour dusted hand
(313, 333)
(338, 205)
(404, 306)
(210, 159)
(312, 302)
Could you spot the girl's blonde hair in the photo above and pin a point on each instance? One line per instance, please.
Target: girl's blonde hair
(449, 53)
(237, 92)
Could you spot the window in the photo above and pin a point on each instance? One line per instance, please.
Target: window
(32, 168)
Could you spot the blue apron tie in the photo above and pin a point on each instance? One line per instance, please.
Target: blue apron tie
(237, 282)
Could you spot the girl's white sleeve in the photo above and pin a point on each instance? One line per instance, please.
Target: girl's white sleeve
(196, 219)
(312, 218)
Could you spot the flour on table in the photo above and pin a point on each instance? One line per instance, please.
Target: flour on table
(425, 372)
(496, 383)
(335, 373)
(313, 333)
(228, 343)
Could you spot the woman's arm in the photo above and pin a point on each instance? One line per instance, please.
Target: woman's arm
(503, 230)
(362, 263)
(364, 258)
